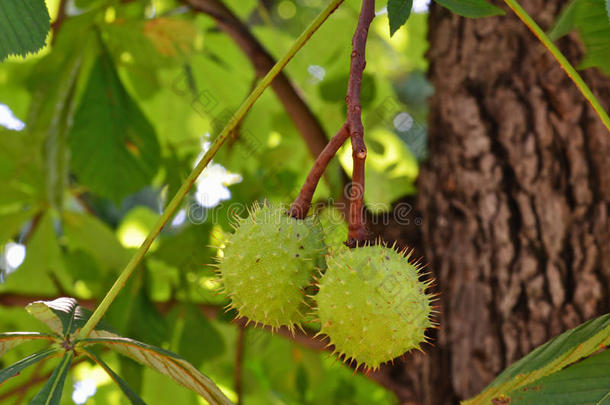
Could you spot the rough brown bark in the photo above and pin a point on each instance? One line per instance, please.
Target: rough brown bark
(515, 200)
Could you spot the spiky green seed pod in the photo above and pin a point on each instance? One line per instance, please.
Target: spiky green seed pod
(372, 304)
(269, 262)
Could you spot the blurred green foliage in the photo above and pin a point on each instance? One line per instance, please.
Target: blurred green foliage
(116, 112)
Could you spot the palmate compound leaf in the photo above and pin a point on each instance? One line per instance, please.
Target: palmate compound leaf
(50, 394)
(592, 21)
(398, 13)
(163, 361)
(586, 382)
(114, 147)
(133, 397)
(549, 358)
(471, 8)
(24, 25)
(11, 340)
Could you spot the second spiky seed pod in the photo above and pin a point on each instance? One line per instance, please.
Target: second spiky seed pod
(372, 304)
(269, 262)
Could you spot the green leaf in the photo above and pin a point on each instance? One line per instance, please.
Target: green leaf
(133, 397)
(471, 8)
(24, 25)
(398, 13)
(165, 362)
(587, 382)
(334, 89)
(608, 8)
(50, 394)
(590, 18)
(200, 341)
(549, 358)
(114, 147)
(87, 232)
(63, 316)
(22, 177)
(43, 253)
(16, 368)
(43, 269)
(12, 221)
(11, 340)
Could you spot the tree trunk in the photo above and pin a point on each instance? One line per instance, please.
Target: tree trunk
(515, 199)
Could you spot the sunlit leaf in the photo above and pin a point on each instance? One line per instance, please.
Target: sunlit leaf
(63, 316)
(24, 25)
(164, 362)
(11, 340)
(549, 358)
(50, 394)
(398, 13)
(471, 8)
(16, 368)
(586, 382)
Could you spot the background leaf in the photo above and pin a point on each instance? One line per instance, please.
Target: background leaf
(592, 21)
(471, 8)
(24, 25)
(398, 13)
(114, 148)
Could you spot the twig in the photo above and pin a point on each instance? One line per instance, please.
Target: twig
(239, 360)
(61, 16)
(300, 207)
(352, 128)
(33, 225)
(357, 230)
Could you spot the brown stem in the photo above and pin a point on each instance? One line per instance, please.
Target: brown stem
(301, 205)
(357, 230)
(61, 16)
(239, 360)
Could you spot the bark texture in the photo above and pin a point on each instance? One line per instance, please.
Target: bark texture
(515, 200)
